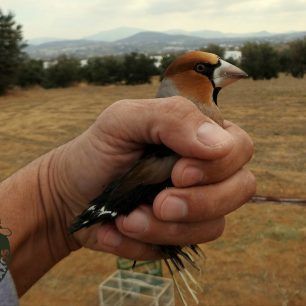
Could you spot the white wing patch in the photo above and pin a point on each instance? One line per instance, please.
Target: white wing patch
(102, 211)
(93, 207)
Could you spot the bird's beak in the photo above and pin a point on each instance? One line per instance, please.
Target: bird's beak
(226, 74)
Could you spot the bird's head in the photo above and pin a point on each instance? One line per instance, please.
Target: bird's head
(199, 76)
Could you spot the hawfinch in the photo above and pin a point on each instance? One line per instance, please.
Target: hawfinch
(198, 76)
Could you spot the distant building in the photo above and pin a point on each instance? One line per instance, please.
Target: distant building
(235, 54)
(158, 59)
(47, 64)
(83, 62)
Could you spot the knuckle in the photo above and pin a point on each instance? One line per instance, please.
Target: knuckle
(213, 209)
(110, 116)
(178, 105)
(124, 106)
(175, 230)
(219, 228)
(140, 252)
(251, 183)
(116, 106)
(248, 146)
(244, 141)
(158, 202)
(170, 105)
(178, 171)
(181, 233)
(201, 208)
(179, 100)
(220, 169)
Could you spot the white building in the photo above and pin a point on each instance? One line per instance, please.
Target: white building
(235, 54)
(158, 59)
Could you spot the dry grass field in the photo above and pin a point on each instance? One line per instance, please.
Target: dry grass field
(261, 258)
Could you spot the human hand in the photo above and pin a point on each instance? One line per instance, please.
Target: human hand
(209, 179)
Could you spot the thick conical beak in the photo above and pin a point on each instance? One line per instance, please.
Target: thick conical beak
(226, 74)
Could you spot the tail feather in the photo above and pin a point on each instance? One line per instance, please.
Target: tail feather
(181, 295)
(185, 267)
(188, 286)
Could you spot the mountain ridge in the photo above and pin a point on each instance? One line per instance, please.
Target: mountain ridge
(149, 42)
(124, 32)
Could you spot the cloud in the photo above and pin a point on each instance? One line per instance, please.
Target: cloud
(78, 18)
(225, 6)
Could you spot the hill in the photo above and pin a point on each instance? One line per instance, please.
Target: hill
(149, 42)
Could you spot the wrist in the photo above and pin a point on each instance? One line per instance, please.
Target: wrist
(56, 199)
(35, 213)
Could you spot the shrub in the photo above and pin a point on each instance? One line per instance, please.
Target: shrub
(260, 60)
(138, 68)
(31, 73)
(65, 72)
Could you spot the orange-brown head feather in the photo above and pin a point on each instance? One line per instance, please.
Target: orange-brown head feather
(199, 76)
(188, 61)
(191, 84)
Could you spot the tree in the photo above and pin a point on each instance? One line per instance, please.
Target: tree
(216, 49)
(103, 70)
(297, 54)
(138, 68)
(11, 46)
(284, 60)
(65, 72)
(31, 73)
(260, 60)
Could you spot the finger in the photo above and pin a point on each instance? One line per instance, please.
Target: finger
(208, 202)
(119, 135)
(110, 240)
(143, 225)
(189, 172)
(174, 121)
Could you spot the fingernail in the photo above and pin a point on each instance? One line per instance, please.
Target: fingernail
(173, 209)
(211, 134)
(112, 239)
(136, 222)
(192, 176)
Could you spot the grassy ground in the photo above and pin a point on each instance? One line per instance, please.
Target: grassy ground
(260, 260)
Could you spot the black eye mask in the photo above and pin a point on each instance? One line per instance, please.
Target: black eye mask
(208, 70)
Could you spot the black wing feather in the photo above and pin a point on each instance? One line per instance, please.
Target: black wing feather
(126, 193)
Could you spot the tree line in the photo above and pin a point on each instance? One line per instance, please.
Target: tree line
(133, 68)
(259, 60)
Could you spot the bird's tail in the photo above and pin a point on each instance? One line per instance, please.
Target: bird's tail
(90, 216)
(185, 265)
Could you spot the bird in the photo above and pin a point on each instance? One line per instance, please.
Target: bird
(198, 76)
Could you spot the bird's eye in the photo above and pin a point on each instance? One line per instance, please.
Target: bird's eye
(200, 68)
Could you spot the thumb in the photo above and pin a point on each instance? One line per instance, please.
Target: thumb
(175, 122)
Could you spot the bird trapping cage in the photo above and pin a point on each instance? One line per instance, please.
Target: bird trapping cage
(127, 288)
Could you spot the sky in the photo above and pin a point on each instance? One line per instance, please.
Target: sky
(79, 18)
